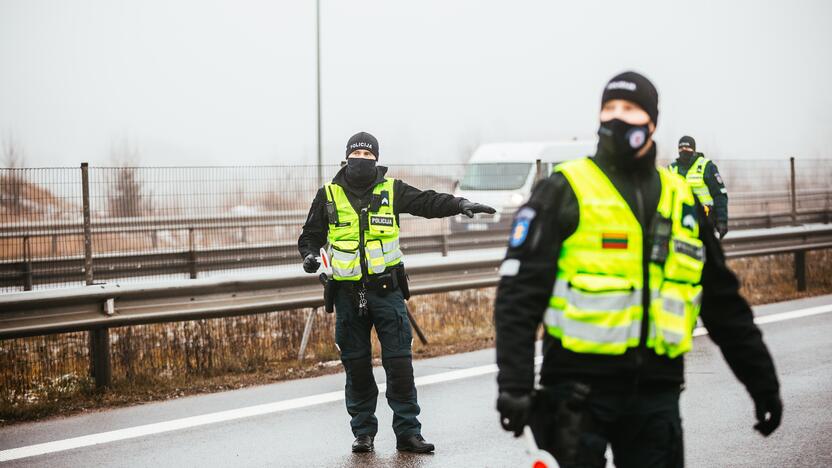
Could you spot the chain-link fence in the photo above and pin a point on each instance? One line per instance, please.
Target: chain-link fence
(187, 222)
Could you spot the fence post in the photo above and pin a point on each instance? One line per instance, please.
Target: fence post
(191, 254)
(307, 330)
(27, 264)
(99, 339)
(538, 170)
(793, 191)
(85, 193)
(800, 269)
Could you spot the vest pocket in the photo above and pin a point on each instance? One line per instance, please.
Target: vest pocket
(382, 224)
(344, 257)
(375, 256)
(674, 315)
(685, 260)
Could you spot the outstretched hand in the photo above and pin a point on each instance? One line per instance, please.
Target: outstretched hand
(468, 208)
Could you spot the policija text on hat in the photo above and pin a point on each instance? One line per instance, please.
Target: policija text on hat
(357, 216)
(617, 259)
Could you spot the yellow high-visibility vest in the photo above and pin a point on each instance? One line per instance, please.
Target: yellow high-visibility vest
(696, 179)
(596, 306)
(381, 234)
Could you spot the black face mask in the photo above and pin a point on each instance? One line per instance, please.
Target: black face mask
(622, 141)
(361, 172)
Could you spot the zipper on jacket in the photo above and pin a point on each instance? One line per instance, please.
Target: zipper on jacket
(363, 223)
(645, 270)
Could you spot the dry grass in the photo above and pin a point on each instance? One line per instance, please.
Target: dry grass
(44, 376)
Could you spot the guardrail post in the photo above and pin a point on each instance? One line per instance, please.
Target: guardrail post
(191, 254)
(99, 339)
(100, 355)
(800, 269)
(27, 264)
(793, 191)
(538, 170)
(307, 330)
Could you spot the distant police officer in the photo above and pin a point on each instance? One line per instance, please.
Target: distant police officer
(357, 215)
(703, 177)
(611, 254)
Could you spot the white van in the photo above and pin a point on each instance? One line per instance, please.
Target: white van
(502, 174)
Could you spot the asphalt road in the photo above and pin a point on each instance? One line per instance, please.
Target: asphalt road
(457, 395)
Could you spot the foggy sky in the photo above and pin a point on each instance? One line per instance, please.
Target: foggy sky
(193, 82)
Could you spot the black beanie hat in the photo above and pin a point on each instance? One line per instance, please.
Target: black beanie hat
(363, 141)
(633, 87)
(687, 142)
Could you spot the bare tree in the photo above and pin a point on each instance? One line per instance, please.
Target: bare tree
(11, 180)
(125, 198)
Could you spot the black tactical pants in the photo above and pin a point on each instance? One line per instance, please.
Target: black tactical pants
(575, 425)
(388, 315)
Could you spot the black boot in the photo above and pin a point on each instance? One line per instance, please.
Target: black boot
(363, 443)
(413, 443)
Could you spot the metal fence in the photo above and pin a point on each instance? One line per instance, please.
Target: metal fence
(249, 217)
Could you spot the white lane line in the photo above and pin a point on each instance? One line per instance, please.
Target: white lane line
(781, 316)
(296, 403)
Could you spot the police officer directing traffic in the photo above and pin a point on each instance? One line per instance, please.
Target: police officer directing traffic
(614, 257)
(357, 216)
(703, 177)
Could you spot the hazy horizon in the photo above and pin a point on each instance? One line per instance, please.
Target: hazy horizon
(217, 83)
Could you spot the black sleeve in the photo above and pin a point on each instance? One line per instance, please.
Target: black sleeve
(730, 321)
(527, 277)
(426, 204)
(313, 235)
(718, 192)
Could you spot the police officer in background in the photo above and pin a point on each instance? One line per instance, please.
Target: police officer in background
(357, 215)
(703, 177)
(613, 255)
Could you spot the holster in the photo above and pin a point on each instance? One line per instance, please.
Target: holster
(330, 287)
(389, 281)
(558, 419)
(403, 282)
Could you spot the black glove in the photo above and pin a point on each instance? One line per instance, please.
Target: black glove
(310, 263)
(515, 409)
(722, 229)
(468, 208)
(769, 411)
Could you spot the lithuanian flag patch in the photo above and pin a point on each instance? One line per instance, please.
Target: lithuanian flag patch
(614, 240)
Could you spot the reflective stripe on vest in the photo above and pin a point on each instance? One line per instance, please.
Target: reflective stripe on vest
(381, 238)
(696, 179)
(596, 305)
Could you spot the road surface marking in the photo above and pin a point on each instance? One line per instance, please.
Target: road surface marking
(296, 403)
(779, 317)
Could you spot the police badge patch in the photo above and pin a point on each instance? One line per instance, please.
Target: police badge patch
(520, 228)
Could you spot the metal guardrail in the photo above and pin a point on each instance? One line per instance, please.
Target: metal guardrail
(34, 313)
(193, 261)
(98, 307)
(28, 272)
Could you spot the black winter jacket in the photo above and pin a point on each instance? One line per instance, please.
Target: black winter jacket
(522, 299)
(406, 199)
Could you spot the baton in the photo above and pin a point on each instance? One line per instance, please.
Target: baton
(415, 325)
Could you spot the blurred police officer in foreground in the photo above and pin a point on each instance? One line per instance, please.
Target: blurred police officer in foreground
(616, 258)
(703, 177)
(357, 215)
